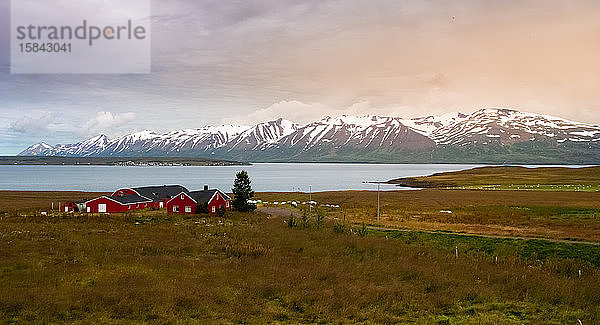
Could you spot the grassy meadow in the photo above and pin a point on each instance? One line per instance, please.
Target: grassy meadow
(255, 268)
(585, 179)
(538, 214)
(278, 265)
(34, 202)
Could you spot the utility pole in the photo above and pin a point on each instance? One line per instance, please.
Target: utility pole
(378, 183)
(310, 198)
(378, 201)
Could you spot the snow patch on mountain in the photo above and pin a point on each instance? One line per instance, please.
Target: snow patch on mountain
(348, 133)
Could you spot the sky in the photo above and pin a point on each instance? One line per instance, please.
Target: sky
(249, 61)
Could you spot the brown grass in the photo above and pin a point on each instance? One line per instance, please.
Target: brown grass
(29, 201)
(558, 215)
(254, 268)
(250, 268)
(543, 178)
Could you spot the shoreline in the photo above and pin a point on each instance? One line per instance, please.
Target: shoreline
(115, 161)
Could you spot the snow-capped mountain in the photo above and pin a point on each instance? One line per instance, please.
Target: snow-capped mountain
(486, 135)
(356, 132)
(508, 126)
(262, 135)
(144, 143)
(429, 124)
(38, 149)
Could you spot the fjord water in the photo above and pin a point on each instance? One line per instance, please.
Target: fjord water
(274, 177)
(265, 176)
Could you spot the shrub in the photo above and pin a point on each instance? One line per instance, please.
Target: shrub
(320, 218)
(305, 222)
(292, 222)
(339, 228)
(362, 231)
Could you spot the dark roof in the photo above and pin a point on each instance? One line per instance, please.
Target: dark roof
(204, 196)
(160, 193)
(129, 199)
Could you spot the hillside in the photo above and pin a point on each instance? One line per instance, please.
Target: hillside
(543, 178)
(497, 135)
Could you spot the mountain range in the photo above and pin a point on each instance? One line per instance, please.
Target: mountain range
(491, 135)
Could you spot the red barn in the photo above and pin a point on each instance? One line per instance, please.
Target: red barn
(116, 204)
(206, 201)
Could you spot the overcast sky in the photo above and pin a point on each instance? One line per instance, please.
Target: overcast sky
(246, 61)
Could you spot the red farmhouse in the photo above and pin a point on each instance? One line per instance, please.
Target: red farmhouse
(115, 204)
(199, 202)
(127, 199)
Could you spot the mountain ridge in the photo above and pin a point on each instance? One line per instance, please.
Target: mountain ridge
(486, 135)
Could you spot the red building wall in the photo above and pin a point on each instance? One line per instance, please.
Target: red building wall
(111, 206)
(70, 207)
(217, 202)
(181, 201)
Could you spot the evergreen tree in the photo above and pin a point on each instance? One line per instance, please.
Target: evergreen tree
(242, 192)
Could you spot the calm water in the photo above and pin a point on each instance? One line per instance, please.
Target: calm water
(265, 177)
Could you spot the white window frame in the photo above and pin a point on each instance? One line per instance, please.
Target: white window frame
(214, 209)
(102, 208)
(188, 209)
(176, 208)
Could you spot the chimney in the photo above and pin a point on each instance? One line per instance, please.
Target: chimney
(206, 187)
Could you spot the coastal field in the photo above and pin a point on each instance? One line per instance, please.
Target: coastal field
(538, 214)
(586, 179)
(256, 268)
(281, 265)
(34, 202)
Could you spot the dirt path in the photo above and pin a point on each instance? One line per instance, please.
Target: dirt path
(286, 212)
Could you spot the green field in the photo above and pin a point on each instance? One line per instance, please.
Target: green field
(585, 179)
(530, 187)
(532, 250)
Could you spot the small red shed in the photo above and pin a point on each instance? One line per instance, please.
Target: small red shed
(70, 207)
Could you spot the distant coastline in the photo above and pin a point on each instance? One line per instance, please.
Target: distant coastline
(115, 161)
